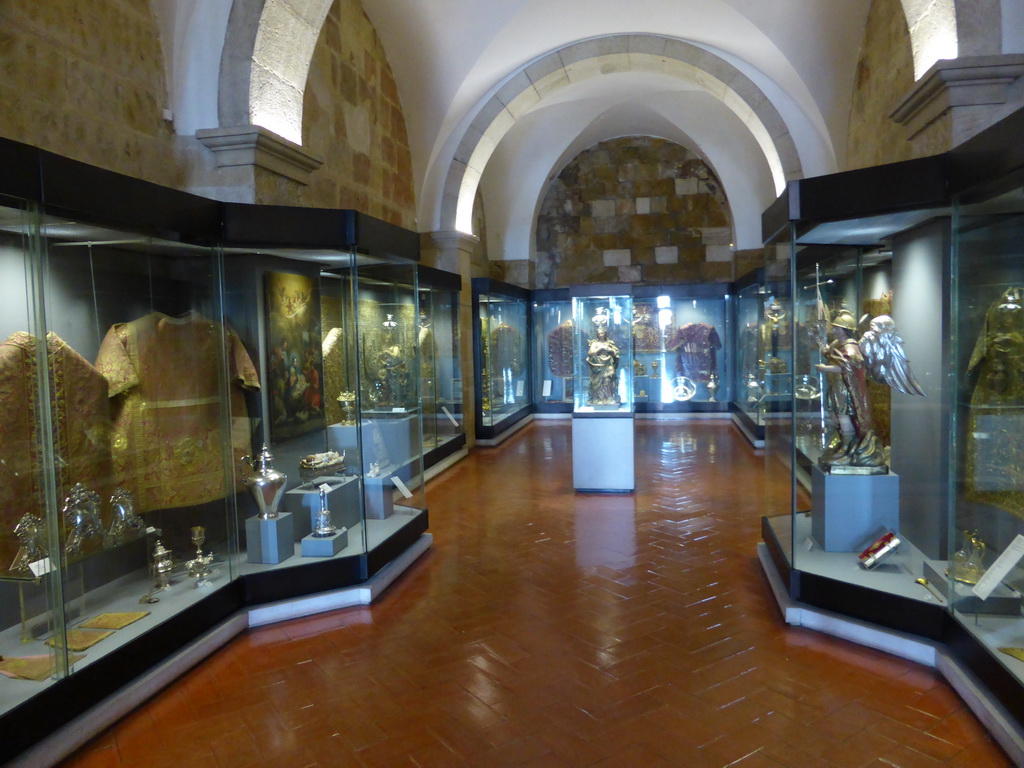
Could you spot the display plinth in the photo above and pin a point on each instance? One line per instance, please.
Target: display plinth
(602, 453)
(304, 503)
(380, 499)
(388, 437)
(325, 546)
(270, 541)
(851, 511)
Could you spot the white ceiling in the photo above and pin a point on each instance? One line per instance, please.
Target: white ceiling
(450, 56)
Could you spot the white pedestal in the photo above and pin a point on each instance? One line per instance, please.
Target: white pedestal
(602, 453)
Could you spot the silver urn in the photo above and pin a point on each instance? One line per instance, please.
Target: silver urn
(264, 482)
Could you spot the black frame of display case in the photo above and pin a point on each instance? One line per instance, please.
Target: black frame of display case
(687, 291)
(548, 294)
(67, 188)
(991, 160)
(431, 277)
(485, 285)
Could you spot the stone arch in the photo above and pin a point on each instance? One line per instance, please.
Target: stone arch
(267, 52)
(933, 31)
(592, 58)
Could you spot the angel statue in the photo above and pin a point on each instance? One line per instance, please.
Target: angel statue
(854, 447)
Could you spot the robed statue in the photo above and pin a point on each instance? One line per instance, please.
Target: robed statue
(848, 359)
(603, 361)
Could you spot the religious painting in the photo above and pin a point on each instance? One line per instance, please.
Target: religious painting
(294, 355)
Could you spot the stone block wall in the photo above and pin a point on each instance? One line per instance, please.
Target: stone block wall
(353, 119)
(634, 210)
(885, 72)
(86, 80)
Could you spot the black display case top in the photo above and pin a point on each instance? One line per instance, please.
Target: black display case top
(485, 285)
(438, 279)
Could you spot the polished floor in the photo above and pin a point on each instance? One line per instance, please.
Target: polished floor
(546, 628)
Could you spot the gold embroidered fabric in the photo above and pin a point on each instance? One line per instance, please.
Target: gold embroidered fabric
(36, 668)
(81, 431)
(114, 620)
(80, 639)
(995, 428)
(334, 374)
(560, 355)
(164, 375)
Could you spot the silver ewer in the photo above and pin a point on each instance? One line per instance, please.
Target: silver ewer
(264, 482)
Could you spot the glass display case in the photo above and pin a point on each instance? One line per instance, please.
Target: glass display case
(603, 391)
(553, 331)
(440, 364)
(903, 446)
(209, 406)
(502, 367)
(763, 355)
(680, 359)
(983, 575)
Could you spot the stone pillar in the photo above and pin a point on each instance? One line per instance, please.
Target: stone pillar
(459, 253)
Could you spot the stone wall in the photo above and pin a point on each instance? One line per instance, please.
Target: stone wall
(633, 210)
(353, 119)
(885, 72)
(86, 80)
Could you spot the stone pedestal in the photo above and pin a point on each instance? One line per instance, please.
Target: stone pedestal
(380, 496)
(270, 541)
(342, 499)
(851, 511)
(325, 546)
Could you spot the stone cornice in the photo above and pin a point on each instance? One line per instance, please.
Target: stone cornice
(969, 81)
(255, 146)
(453, 238)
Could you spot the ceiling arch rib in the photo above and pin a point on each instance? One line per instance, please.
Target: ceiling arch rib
(687, 63)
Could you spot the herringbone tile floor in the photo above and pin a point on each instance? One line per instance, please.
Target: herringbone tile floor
(547, 628)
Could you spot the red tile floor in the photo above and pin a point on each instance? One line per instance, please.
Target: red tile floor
(546, 628)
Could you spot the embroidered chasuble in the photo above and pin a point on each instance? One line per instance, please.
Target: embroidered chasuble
(81, 433)
(696, 346)
(163, 374)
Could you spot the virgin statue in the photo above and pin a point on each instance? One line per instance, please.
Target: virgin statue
(603, 360)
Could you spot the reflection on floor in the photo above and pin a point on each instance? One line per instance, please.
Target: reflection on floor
(547, 628)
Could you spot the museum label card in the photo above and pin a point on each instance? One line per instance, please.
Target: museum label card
(40, 567)
(401, 486)
(998, 570)
(519, 388)
(547, 388)
(449, 415)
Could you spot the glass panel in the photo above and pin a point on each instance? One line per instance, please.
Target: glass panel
(989, 417)
(440, 374)
(298, 320)
(678, 353)
(390, 430)
(133, 476)
(31, 531)
(553, 352)
(747, 394)
(503, 337)
(869, 452)
(603, 379)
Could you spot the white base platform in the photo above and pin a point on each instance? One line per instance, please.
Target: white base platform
(66, 740)
(1003, 728)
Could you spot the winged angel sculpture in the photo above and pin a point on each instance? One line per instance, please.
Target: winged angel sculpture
(854, 447)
